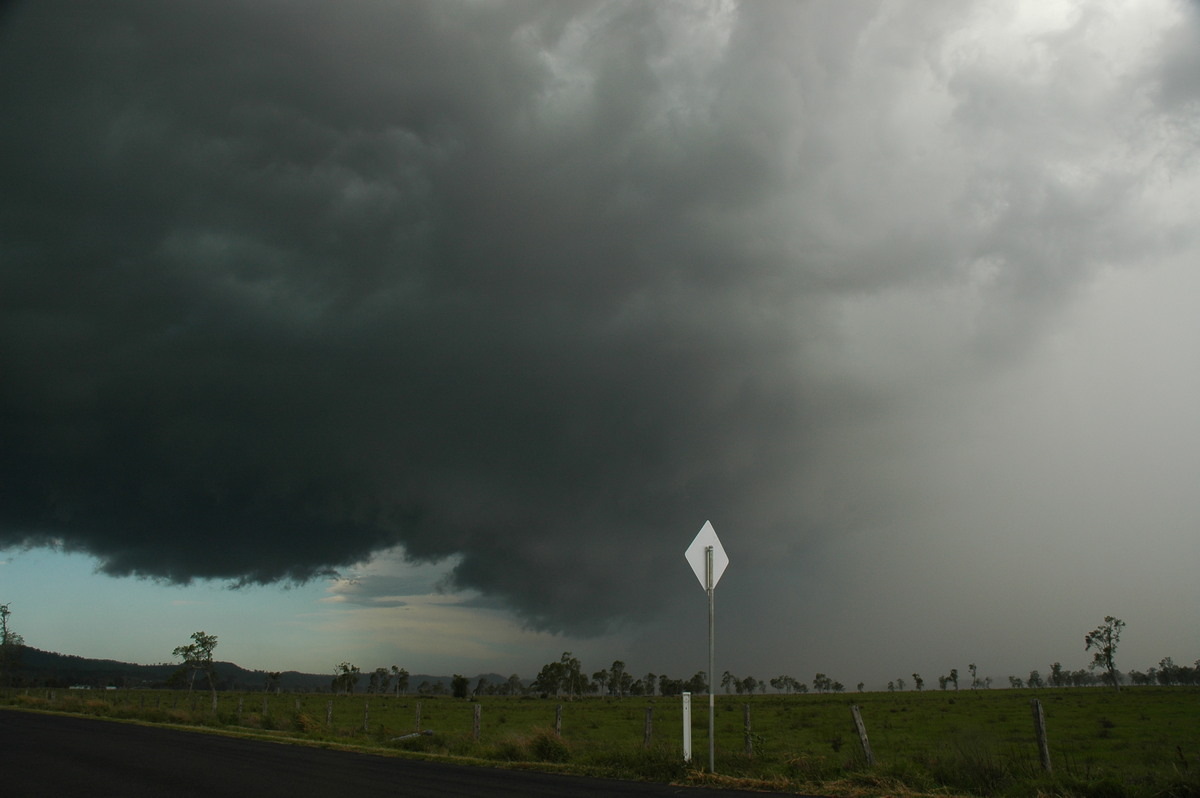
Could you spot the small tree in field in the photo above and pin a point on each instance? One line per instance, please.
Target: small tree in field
(1104, 639)
(11, 644)
(401, 678)
(198, 656)
(574, 681)
(378, 681)
(1059, 677)
(345, 677)
(697, 684)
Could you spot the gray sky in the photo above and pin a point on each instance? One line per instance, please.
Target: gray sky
(507, 298)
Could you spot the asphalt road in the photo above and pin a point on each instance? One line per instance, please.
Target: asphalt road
(54, 755)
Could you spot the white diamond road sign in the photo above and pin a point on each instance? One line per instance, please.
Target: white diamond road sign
(695, 555)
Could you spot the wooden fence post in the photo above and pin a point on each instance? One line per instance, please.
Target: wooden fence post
(418, 716)
(241, 701)
(649, 726)
(329, 712)
(366, 717)
(1039, 727)
(862, 735)
(475, 724)
(558, 720)
(749, 739)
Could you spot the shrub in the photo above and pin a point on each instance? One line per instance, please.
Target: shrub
(547, 746)
(303, 722)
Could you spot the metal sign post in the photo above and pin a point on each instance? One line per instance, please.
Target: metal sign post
(712, 655)
(708, 560)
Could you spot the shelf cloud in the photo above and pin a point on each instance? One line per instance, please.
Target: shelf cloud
(537, 288)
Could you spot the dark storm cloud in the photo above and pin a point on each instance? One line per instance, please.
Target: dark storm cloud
(541, 285)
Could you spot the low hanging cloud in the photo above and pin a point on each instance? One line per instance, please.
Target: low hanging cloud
(538, 286)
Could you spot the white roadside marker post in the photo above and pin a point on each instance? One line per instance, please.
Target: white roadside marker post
(687, 727)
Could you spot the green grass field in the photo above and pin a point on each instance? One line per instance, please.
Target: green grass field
(1141, 741)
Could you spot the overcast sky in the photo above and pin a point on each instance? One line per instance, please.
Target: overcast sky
(430, 333)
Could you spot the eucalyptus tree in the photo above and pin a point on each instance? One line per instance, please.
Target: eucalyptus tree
(600, 680)
(619, 680)
(401, 679)
(784, 683)
(197, 656)
(1058, 676)
(1104, 638)
(11, 644)
(549, 679)
(650, 681)
(378, 681)
(571, 674)
(345, 677)
(697, 684)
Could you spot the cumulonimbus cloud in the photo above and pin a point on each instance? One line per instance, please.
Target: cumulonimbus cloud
(529, 284)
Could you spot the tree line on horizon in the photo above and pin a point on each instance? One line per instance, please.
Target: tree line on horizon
(566, 676)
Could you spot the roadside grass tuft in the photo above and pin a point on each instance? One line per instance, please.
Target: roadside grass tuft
(546, 746)
(307, 724)
(661, 763)
(540, 745)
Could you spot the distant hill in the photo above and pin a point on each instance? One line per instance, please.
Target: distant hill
(49, 669)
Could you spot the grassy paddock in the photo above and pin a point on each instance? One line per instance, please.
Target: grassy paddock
(1140, 742)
